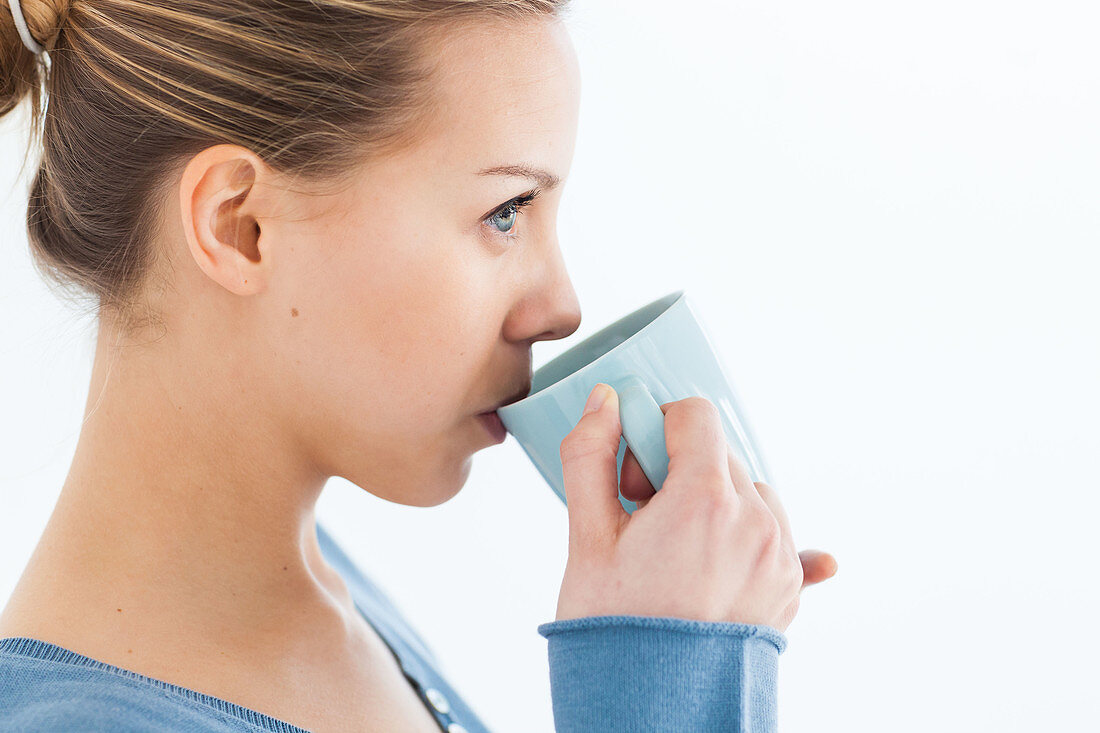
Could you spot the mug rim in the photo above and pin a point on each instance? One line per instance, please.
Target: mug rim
(680, 295)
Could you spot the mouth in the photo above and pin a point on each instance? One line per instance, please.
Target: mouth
(495, 426)
(491, 420)
(515, 397)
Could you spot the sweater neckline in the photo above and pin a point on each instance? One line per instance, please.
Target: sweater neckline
(46, 651)
(407, 659)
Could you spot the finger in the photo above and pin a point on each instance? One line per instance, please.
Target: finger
(771, 499)
(588, 455)
(817, 566)
(739, 474)
(696, 446)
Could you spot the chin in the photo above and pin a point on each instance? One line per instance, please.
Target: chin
(445, 487)
(424, 488)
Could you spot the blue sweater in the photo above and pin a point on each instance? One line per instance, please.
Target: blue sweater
(607, 673)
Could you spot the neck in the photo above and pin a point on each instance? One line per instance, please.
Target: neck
(185, 498)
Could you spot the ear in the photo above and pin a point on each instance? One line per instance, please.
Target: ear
(221, 211)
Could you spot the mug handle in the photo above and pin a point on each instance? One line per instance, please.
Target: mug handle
(643, 426)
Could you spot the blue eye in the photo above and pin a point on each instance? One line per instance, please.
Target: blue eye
(503, 220)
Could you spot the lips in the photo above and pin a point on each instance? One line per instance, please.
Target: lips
(493, 423)
(491, 420)
(515, 397)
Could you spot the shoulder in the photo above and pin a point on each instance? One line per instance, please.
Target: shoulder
(40, 695)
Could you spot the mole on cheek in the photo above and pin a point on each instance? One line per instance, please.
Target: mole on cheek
(294, 312)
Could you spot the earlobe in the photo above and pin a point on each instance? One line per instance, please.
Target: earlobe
(217, 197)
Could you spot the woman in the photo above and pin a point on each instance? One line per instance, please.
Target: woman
(300, 223)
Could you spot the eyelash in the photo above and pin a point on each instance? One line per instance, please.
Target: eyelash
(518, 203)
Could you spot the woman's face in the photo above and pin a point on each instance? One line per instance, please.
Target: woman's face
(406, 305)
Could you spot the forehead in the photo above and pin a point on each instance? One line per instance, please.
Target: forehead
(505, 90)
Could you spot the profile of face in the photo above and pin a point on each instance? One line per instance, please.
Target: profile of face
(372, 326)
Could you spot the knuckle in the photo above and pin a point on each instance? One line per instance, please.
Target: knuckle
(694, 408)
(710, 507)
(736, 462)
(770, 497)
(702, 474)
(714, 479)
(721, 502)
(703, 409)
(768, 529)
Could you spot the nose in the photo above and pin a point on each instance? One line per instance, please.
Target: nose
(550, 309)
(566, 314)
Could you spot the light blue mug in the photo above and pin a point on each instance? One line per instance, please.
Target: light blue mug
(659, 353)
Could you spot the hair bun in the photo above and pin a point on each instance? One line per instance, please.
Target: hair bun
(43, 19)
(19, 70)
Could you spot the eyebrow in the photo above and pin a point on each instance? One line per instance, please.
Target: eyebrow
(545, 179)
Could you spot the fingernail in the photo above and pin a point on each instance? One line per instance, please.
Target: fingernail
(596, 398)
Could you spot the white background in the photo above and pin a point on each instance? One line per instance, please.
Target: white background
(888, 213)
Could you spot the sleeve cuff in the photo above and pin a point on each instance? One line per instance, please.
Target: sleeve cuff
(630, 673)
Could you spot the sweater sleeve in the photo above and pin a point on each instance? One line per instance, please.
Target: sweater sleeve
(656, 673)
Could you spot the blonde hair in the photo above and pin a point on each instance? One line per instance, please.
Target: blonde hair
(130, 89)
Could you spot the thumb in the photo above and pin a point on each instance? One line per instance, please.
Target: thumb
(589, 471)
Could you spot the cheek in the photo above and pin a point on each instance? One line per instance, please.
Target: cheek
(386, 342)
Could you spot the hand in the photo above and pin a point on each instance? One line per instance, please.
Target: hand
(711, 545)
(817, 566)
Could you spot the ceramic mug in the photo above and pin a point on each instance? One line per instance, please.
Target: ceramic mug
(659, 353)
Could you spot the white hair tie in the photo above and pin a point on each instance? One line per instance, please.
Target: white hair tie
(24, 32)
